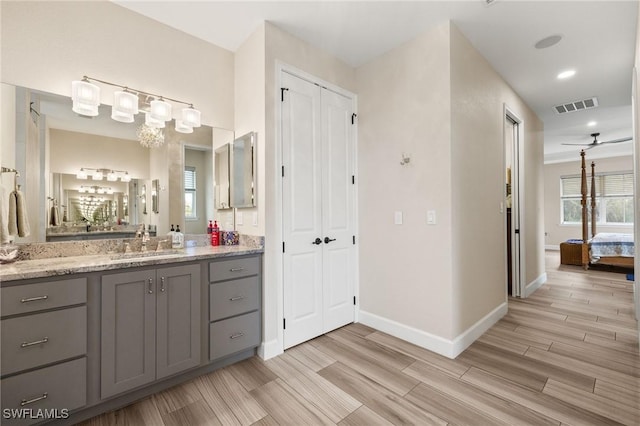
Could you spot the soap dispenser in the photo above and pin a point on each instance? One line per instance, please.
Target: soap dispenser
(178, 238)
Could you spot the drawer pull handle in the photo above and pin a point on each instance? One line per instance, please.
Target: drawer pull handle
(162, 284)
(236, 269)
(31, 401)
(234, 298)
(37, 342)
(235, 336)
(33, 299)
(150, 290)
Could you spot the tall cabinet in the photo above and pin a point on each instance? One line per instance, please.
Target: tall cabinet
(150, 326)
(318, 187)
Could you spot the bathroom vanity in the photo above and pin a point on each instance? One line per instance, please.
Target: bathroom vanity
(89, 334)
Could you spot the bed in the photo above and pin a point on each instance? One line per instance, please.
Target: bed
(601, 248)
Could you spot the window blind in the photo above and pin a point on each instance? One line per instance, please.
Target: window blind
(189, 178)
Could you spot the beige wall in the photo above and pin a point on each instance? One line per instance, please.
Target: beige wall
(557, 232)
(404, 106)
(478, 96)
(46, 45)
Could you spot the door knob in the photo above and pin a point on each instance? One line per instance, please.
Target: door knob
(327, 240)
(317, 241)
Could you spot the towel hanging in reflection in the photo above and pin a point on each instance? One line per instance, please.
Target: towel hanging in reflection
(54, 216)
(18, 220)
(5, 237)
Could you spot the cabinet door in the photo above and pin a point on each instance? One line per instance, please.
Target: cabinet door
(128, 331)
(178, 304)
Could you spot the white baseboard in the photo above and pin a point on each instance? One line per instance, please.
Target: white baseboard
(535, 284)
(437, 344)
(269, 349)
(552, 247)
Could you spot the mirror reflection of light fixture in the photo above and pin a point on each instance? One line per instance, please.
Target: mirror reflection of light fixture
(93, 189)
(82, 174)
(99, 174)
(150, 137)
(86, 100)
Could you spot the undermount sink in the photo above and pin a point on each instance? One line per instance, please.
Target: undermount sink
(139, 254)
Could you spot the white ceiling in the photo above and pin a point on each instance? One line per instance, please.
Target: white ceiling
(598, 42)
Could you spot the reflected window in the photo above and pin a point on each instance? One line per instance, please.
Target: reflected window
(190, 192)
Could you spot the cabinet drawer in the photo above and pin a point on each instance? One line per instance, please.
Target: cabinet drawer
(22, 299)
(233, 335)
(233, 268)
(235, 297)
(65, 386)
(39, 339)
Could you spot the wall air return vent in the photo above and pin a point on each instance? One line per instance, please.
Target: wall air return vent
(576, 106)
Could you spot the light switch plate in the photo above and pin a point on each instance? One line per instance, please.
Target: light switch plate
(397, 218)
(239, 218)
(431, 217)
(255, 218)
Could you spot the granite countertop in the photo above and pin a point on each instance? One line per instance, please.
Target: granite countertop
(56, 266)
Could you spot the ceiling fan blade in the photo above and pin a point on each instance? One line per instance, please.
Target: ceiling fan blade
(591, 146)
(618, 140)
(580, 144)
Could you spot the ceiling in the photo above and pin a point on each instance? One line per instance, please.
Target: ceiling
(598, 42)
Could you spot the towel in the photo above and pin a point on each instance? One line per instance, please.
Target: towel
(5, 237)
(54, 216)
(18, 220)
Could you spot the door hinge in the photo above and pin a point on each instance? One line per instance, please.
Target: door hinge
(354, 239)
(282, 171)
(353, 179)
(282, 90)
(283, 246)
(284, 323)
(353, 118)
(354, 300)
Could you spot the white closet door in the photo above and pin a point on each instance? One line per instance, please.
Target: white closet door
(337, 211)
(302, 224)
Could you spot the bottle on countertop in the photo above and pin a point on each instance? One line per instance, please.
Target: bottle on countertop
(215, 234)
(210, 228)
(178, 238)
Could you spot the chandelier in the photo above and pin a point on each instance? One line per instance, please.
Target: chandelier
(128, 102)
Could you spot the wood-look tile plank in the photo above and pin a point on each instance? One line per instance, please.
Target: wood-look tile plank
(360, 329)
(592, 402)
(141, 413)
(616, 360)
(197, 413)
(499, 408)
(625, 323)
(371, 349)
(603, 327)
(236, 397)
(630, 397)
(536, 401)
(176, 397)
(364, 416)
(329, 399)
(447, 408)
(311, 357)
(583, 367)
(575, 328)
(453, 367)
(555, 334)
(383, 402)
(391, 378)
(286, 407)
(251, 373)
(514, 336)
(501, 342)
(527, 310)
(213, 399)
(266, 421)
(613, 344)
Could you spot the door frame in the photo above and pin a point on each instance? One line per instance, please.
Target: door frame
(518, 260)
(277, 209)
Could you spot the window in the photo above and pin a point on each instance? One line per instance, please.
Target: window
(614, 199)
(190, 192)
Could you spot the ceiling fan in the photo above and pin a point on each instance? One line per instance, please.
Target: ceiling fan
(596, 142)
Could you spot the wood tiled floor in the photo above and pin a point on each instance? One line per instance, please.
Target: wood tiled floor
(566, 355)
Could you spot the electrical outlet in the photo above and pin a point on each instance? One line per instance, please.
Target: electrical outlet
(255, 218)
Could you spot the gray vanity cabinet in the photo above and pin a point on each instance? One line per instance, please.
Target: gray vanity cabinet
(150, 326)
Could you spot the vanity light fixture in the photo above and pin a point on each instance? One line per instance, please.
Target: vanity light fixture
(99, 174)
(112, 176)
(93, 189)
(126, 104)
(82, 174)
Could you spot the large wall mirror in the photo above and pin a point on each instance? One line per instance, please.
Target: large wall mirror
(243, 171)
(221, 181)
(54, 148)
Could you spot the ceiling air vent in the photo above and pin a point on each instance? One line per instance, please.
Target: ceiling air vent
(576, 106)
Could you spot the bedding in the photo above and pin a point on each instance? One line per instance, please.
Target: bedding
(606, 244)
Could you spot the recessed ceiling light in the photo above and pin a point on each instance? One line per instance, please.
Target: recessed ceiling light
(566, 74)
(591, 123)
(548, 41)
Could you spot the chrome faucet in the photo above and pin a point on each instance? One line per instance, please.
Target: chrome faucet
(145, 238)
